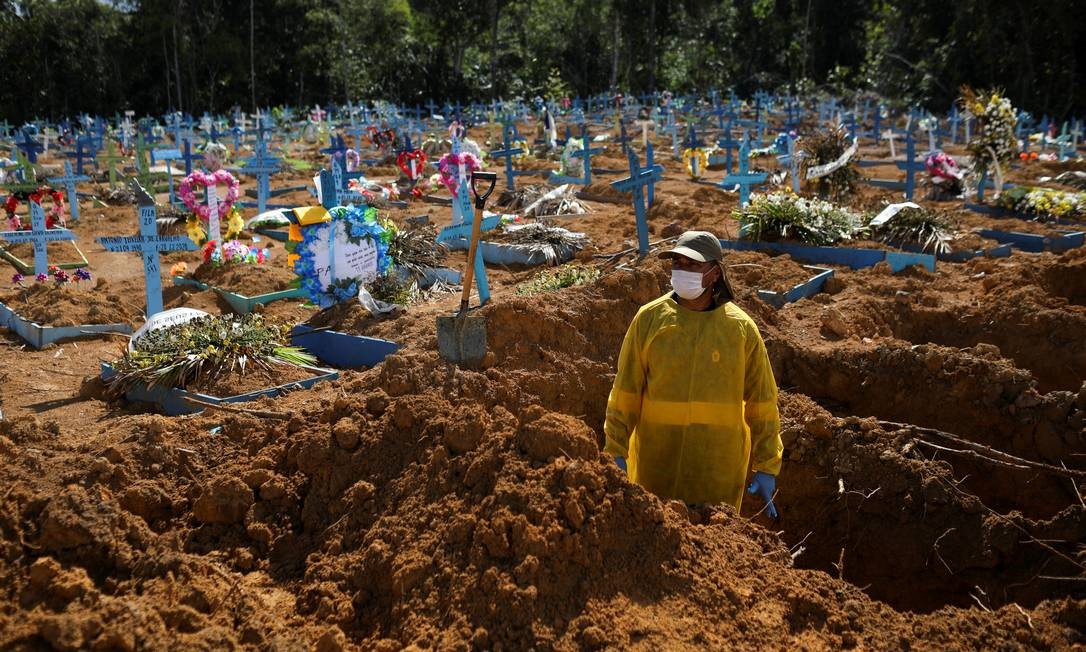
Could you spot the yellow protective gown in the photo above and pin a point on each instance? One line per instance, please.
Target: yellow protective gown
(694, 403)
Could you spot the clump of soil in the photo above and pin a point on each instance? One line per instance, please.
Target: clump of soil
(73, 304)
(245, 279)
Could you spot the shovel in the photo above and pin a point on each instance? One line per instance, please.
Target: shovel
(462, 339)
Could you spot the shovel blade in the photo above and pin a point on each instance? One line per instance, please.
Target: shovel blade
(462, 339)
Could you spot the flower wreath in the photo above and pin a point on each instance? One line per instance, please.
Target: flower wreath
(525, 151)
(689, 154)
(360, 222)
(381, 139)
(942, 167)
(403, 161)
(352, 159)
(449, 167)
(53, 218)
(208, 182)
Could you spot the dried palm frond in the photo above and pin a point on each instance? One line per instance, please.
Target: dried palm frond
(824, 147)
(540, 234)
(416, 249)
(200, 351)
(525, 195)
(925, 227)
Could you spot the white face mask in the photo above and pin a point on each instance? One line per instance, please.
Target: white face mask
(688, 285)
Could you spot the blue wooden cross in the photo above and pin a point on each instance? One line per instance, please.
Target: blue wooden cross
(791, 159)
(68, 181)
(261, 166)
(910, 165)
(149, 244)
(953, 120)
(40, 236)
(623, 138)
(633, 184)
(188, 156)
(507, 152)
(29, 146)
(80, 152)
(169, 156)
(337, 148)
(728, 143)
(461, 205)
(743, 177)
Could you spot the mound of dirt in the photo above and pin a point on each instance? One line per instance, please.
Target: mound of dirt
(72, 304)
(247, 280)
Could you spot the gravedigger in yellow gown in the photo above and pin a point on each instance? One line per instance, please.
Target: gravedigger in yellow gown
(694, 403)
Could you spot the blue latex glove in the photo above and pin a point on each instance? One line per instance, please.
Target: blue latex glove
(621, 462)
(764, 485)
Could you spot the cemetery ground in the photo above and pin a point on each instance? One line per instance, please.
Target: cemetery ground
(422, 504)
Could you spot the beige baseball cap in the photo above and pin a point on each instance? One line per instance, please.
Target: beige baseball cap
(702, 246)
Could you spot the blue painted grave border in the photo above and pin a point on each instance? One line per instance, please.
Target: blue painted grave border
(853, 258)
(38, 336)
(342, 350)
(242, 304)
(172, 400)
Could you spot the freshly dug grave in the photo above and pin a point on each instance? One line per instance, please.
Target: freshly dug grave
(865, 503)
(72, 304)
(410, 505)
(761, 272)
(246, 280)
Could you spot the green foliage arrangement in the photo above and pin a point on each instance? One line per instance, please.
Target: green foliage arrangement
(391, 288)
(201, 351)
(556, 279)
(783, 215)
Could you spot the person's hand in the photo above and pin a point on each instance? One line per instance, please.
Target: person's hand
(621, 462)
(764, 485)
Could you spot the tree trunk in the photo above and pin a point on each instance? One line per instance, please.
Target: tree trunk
(652, 46)
(166, 69)
(614, 48)
(252, 59)
(177, 63)
(493, 5)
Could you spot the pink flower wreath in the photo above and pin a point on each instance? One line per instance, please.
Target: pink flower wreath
(449, 166)
(208, 181)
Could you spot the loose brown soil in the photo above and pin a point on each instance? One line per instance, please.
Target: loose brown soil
(74, 304)
(246, 280)
(422, 504)
(59, 252)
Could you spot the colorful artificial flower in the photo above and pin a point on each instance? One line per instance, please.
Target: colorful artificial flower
(41, 278)
(179, 269)
(17, 278)
(82, 274)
